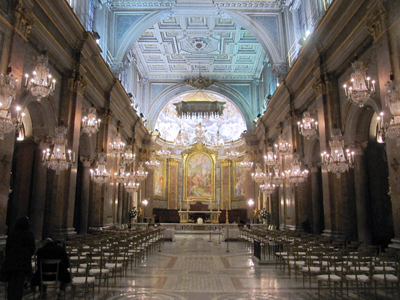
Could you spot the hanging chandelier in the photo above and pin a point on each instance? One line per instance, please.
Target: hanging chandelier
(282, 147)
(246, 165)
(180, 141)
(339, 161)
(128, 156)
(267, 187)
(277, 177)
(308, 126)
(57, 157)
(392, 98)
(7, 95)
(200, 105)
(164, 154)
(121, 176)
(132, 186)
(391, 130)
(41, 83)
(258, 176)
(271, 159)
(295, 174)
(361, 88)
(232, 154)
(117, 146)
(218, 143)
(100, 175)
(152, 163)
(90, 123)
(140, 174)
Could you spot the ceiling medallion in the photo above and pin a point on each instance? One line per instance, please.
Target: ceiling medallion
(196, 45)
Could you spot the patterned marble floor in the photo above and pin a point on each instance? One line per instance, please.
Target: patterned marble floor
(196, 269)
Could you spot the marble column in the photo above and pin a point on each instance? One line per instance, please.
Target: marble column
(85, 195)
(361, 193)
(316, 199)
(39, 191)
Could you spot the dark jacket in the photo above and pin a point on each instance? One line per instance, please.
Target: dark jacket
(52, 251)
(20, 247)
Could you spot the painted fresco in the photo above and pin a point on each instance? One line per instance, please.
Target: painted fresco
(159, 180)
(239, 182)
(199, 176)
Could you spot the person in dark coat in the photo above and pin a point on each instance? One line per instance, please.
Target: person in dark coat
(17, 265)
(53, 251)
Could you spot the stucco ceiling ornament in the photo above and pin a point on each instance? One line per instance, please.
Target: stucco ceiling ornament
(199, 45)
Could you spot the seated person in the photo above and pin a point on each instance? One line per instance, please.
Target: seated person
(53, 251)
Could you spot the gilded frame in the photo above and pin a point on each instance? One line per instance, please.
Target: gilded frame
(199, 149)
(160, 169)
(242, 178)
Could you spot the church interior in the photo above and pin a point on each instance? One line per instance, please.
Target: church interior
(171, 122)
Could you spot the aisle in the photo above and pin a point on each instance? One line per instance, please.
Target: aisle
(196, 269)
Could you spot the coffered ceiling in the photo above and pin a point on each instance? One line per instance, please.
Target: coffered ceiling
(180, 46)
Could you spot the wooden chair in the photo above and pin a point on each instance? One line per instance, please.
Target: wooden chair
(49, 284)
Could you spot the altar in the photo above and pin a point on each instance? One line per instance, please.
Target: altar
(199, 210)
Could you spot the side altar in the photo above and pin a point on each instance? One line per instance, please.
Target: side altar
(199, 210)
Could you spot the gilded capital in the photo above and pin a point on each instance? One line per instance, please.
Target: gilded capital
(23, 20)
(376, 24)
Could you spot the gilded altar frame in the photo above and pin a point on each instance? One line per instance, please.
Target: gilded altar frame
(211, 154)
(235, 168)
(163, 168)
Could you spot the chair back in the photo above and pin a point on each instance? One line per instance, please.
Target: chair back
(49, 270)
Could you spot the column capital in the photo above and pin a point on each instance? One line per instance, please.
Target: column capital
(24, 19)
(314, 167)
(86, 160)
(77, 83)
(43, 142)
(319, 87)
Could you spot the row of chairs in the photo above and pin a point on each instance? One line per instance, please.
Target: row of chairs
(334, 264)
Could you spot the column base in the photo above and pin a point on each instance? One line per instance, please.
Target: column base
(290, 227)
(62, 233)
(395, 243)
(333, 234)
(3, 240)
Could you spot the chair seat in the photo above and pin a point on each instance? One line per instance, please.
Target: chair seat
(297, 262)
(112, 265)
(387, 269)
(381, 277)
(82, 280)
(311, 269)
(98, 271)
(361, 278)
(325, 277)
(361, 269)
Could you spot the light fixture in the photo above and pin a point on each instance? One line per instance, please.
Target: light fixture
(100, 175)
(132, 186)
(392, 98)
(361, 87)
(164, 153)
(295, 174)
(282, 147)
(121, 176)
(250, 202)
(200, 105)
(128, 156)
(145, 202)
(117, 146)
(267, 187)
(90, 123)
(339, 161)
(258, 176)
(391, 130)
(246, 165)
(308, 126)
(41, 83)
(180, 141)
(57, 157)
(232, 154)
(218, 143)
(152, 163)
(7, 95)
(140, 174)
(271, 159)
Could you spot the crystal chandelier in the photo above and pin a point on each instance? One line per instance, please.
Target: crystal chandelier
(7, 95)
(117, 146)
(392, 98)
(295, 174)
(41, 84)
(267, 187)
(180, 141)
(56, 157)
(361, 87)
(232, 154)
(90, 123)
(308, 126)
(339, 161)
(121, 176)
(140, 174)
(100, 175)
(282, 147)
(277, 177)
(271, 159)
(246, 165)
(132, 186)
(392, 130)
(128, 157)
(164, 154)
(218, 143)
(258, 176)
(152, 163)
